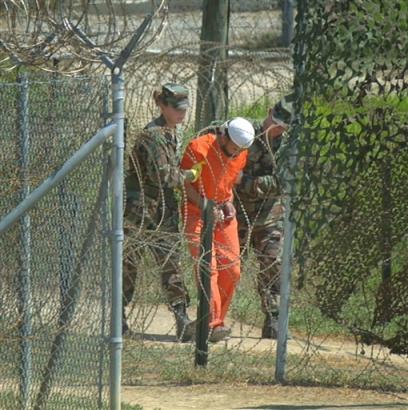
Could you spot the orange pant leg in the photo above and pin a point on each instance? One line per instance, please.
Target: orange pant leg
(226, 244)
(225, 264)
(193, 228)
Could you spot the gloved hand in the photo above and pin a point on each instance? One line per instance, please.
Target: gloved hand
(194, 173)
(229, 211)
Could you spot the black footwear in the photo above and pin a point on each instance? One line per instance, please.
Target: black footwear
(270, 328)
(185, 328)
(125, 328)
(219, 333)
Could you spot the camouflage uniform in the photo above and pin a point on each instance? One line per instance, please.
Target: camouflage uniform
(260, 217)
(151, 205)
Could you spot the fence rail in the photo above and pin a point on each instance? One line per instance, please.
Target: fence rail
(344, 159)
(48, 241)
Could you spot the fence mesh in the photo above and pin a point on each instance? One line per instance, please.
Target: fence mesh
(255, 81)
(55, 266)
(349, 205)
(348, 319)
(348, 316)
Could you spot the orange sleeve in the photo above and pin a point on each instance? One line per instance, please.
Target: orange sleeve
(189, 157)
(195, 151)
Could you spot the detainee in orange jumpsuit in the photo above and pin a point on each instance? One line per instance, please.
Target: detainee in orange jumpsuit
(219, 160)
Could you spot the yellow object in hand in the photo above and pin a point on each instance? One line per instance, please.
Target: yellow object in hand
(196, 170)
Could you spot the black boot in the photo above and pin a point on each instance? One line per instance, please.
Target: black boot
(185, 328)
(125, 327)
(270, 327)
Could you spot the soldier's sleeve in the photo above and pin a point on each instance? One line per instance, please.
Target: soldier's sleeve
(282, 156)
(134, 156)
(162, 165)
(259, 187)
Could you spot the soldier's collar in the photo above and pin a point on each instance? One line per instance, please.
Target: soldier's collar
(160, 121)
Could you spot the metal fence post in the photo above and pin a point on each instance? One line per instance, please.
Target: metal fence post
(117, 235)
(25, 271)
(203, 311)
(283, 320)
(290, 186)
(287, 22)
(118, 96)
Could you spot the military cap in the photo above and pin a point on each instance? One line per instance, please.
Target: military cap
(282, 112)
(176, 95)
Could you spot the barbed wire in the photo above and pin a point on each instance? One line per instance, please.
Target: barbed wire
(41, 34)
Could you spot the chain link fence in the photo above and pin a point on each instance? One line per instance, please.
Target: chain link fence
(55, 287)
(348, 316)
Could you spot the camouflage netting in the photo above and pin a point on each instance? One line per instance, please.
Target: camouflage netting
(351, 80)
(350, 203)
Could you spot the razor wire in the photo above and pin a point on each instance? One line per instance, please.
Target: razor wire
(325, 251)
(41, 34)
(321, 348)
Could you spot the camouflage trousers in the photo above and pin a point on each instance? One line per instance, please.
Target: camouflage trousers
(267, 245)
(167, 261)
(160, 241)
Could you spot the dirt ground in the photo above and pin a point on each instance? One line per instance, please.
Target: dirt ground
(274, 397)
(221, 397)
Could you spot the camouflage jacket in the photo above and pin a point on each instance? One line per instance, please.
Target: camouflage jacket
(258, 194)
(153, 176)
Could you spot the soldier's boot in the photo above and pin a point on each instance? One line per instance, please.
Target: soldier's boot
(126, 299)
(125, 326)
(270, 328)
(185, 328)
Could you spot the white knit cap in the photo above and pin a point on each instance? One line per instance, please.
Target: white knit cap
(241, 132)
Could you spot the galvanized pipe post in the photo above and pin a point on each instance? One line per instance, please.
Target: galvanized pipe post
(290, 187)
(287, 22)
(283, 320)
(116, 342)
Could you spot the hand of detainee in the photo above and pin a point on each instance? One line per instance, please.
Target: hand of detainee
(229, 211)
(194, 173)
(218, 214)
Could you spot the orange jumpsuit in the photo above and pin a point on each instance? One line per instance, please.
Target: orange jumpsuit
(219, 175)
